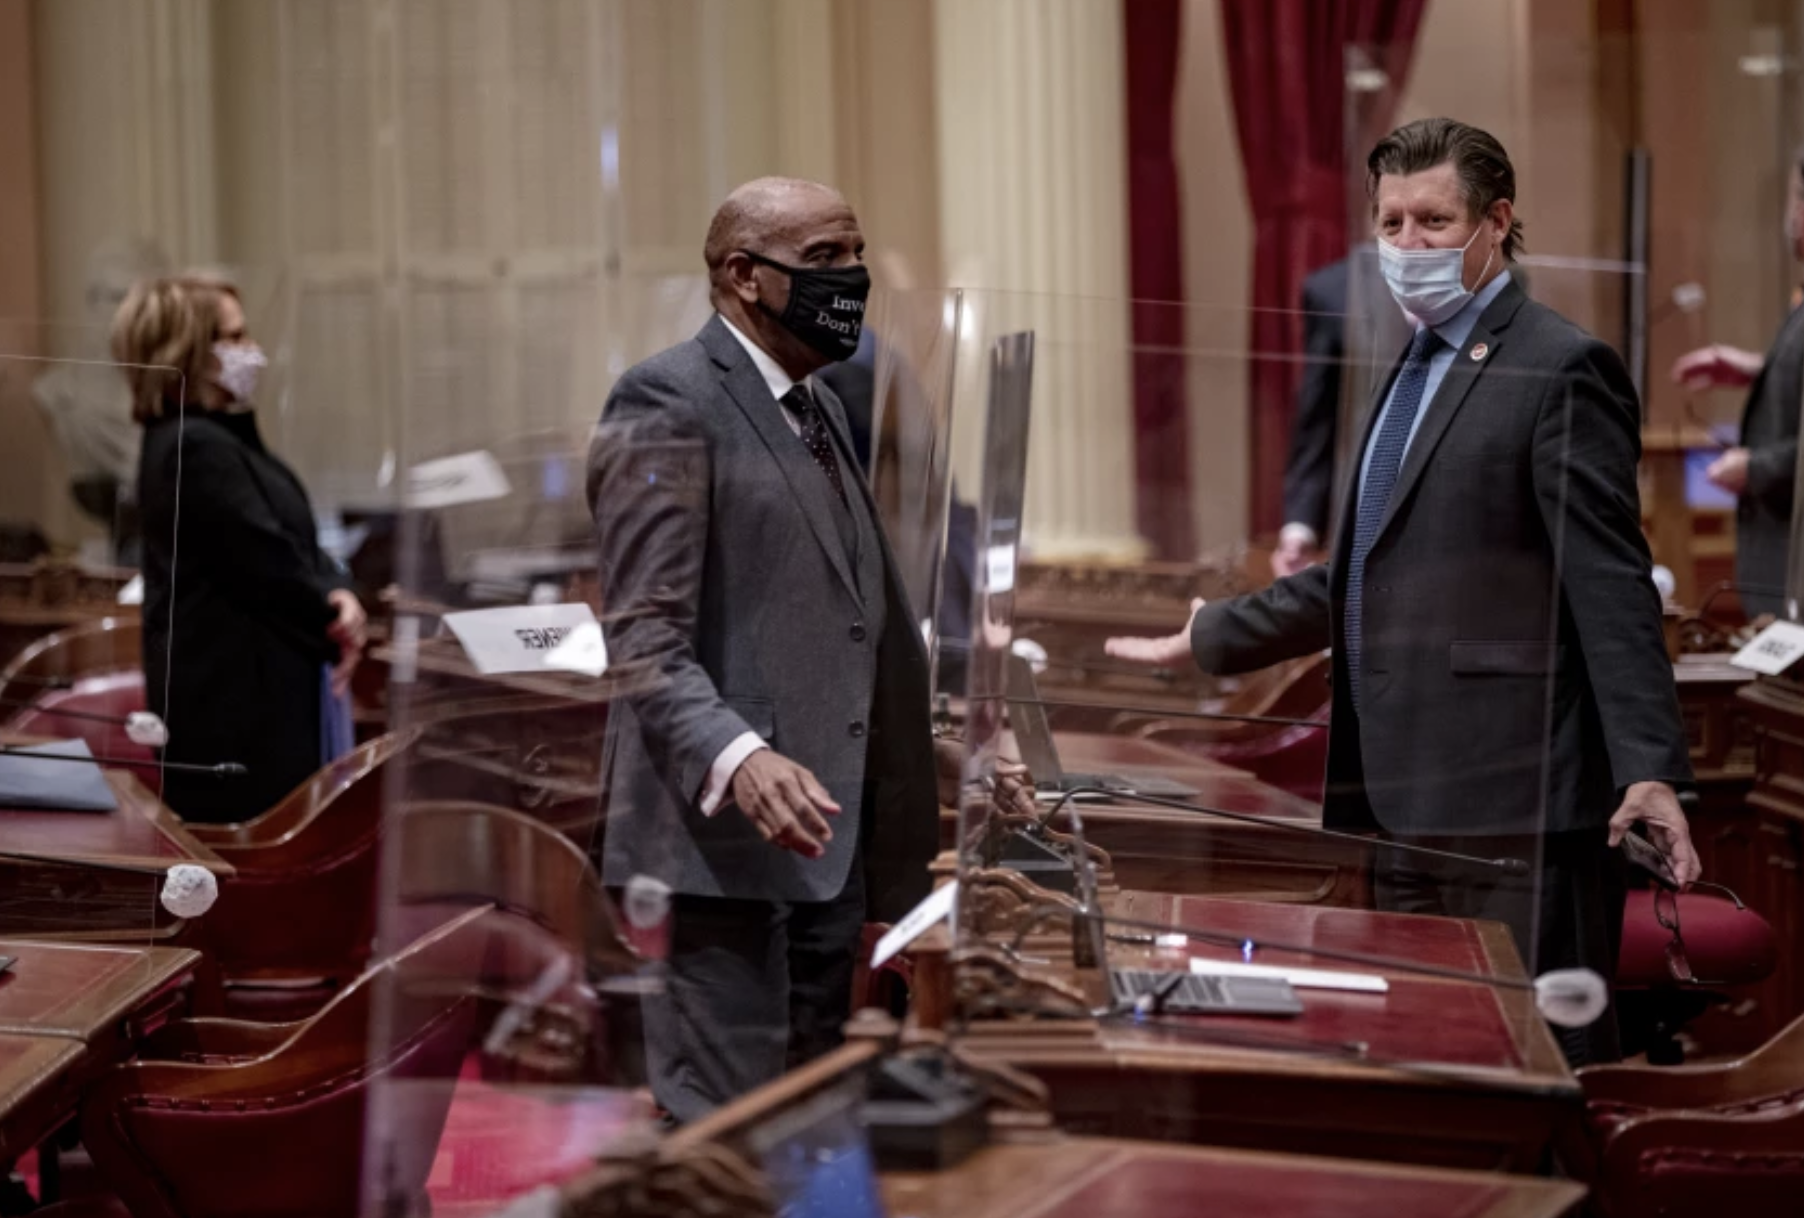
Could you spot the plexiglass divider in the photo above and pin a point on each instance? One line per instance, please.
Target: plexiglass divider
(87, 847)
(1448, 793)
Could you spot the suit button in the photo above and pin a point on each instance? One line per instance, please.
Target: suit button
(858, 632)
(856, 730)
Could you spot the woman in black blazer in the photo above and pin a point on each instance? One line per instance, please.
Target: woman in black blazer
(245, 619)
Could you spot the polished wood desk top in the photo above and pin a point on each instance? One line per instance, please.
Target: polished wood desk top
(1453, 1028)
(68, 1013)
(141, 833)
(79, 991)
(1061, 1177)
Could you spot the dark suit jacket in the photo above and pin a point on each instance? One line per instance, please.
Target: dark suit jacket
(1769, 430)
(728, 569)
(1512, 640)
(246, 583)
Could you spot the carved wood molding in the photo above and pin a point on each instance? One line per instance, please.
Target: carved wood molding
(988, 984)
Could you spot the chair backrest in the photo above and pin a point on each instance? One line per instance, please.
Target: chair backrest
(78, 712)
(354, 1101)
(558, 966)
(458, 852)
(107, 645)
(1703, 1164)
(303, 900)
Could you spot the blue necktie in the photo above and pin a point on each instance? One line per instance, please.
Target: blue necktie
(1380, 480)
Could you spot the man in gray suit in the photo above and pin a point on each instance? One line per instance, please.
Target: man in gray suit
(780, 775)
(1500, 680)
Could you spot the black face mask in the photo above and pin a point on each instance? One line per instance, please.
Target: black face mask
(826, 305)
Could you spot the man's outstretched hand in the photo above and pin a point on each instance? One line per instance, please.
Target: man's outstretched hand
(1156, 653)
(785, 803)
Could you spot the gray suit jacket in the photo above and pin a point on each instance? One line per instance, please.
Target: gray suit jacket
(1513, 657)
(1769, 430)
(729, 568)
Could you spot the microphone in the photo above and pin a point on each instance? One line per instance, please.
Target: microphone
(1509, 866)
(141, 727)
(1224, 716)
(223, 769)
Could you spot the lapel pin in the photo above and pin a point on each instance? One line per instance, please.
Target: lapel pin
(1480, 351)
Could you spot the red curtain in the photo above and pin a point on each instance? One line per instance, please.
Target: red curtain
(1153, 32)
(1287, 66)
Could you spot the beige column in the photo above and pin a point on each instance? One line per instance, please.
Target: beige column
(1033, 191)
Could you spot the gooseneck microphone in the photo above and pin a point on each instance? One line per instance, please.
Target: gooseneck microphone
(1216, 716)
(1509, 866)
(223, 769)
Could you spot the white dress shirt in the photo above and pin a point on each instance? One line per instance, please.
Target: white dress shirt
(727, 763)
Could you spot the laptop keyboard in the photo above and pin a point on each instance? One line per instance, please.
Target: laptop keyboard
(1201, 994)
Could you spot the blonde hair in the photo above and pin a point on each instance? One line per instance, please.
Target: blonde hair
(163, 336)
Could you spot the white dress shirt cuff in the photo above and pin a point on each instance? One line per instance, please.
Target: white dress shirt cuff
(720, 774)
(1298, 532)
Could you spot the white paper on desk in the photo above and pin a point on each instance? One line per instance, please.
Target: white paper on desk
(531, 638)
(1773, 650)
(465, 478)
(1299, 978)
(936, 908)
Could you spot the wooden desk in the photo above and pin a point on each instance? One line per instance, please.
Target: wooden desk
(1447, 1073)
(53, 893)
(1030, 1170)
(32, 1072)
(86, 991)
(69, 1012)
(1066, 1177)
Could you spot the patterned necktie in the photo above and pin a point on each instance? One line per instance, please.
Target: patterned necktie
(814, 436)
(1380, 480)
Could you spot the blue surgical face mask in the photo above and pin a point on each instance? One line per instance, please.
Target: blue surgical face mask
(1429, 285)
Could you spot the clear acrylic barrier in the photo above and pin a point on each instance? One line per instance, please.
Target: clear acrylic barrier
(491, 683)
(85, 847)
(1509, 565)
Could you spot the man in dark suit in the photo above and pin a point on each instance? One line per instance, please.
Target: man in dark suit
(779, 775)
(1351, 331)
(1762, 470)
(1500, 680)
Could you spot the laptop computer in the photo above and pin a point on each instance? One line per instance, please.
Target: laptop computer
(1033, 737)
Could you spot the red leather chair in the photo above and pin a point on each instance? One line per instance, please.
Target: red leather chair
(64, 714)
(100, 662)
(111, 644)
(298, 920)
(558, 958)
(1696, 1141)
(223, 1119)
(1726, 944)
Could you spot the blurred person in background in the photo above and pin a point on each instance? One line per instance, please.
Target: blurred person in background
(250, 632)
(1762, 468)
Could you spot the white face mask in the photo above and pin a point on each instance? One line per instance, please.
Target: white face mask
(240, 364)
(1430, 285)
